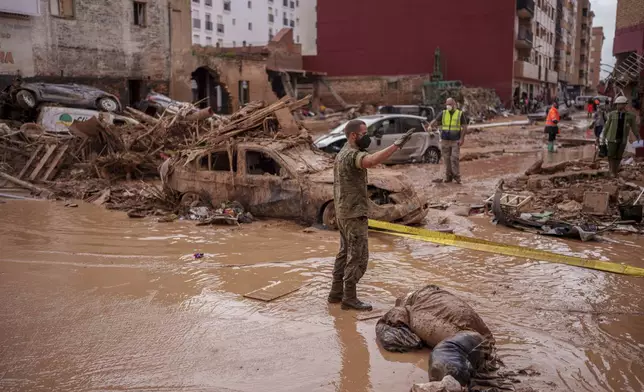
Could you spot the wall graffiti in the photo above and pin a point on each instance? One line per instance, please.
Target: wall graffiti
(16, 50)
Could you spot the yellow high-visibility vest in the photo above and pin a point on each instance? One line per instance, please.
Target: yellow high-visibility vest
(451, 121)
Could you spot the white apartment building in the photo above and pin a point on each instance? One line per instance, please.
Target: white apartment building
(231, 23)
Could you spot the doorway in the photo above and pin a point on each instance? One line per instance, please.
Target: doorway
(211, 92)
(135, 89)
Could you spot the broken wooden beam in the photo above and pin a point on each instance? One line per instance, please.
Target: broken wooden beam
(25, 184)
(139, 115)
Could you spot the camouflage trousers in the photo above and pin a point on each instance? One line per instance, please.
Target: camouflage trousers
(351, 261)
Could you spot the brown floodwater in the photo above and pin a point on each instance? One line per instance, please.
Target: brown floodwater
(92, 300)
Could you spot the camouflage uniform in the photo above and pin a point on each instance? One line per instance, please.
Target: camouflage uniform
(351, 208)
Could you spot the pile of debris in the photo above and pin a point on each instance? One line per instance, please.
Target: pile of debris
(573, 198)
(89, 161)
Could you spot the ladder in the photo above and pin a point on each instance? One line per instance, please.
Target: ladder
(626, 72)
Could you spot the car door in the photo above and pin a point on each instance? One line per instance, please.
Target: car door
(266, 186)
(417, 144)
(215, 176)
(383, 134)
(62, 93)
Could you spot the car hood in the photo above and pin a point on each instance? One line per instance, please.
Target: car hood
(382, 178)
(330, 138)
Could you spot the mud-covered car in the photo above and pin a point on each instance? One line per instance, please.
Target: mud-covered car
(286, 180)
(29, 95)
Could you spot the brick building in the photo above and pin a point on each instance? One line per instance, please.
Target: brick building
(122, 46)
(504, 45)
(596, 46)
(566, 30)
(628, 49)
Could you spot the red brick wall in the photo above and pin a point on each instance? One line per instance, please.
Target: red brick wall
(378, 37)
(375, 90)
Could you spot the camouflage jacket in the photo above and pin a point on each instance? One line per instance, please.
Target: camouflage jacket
(350, 184)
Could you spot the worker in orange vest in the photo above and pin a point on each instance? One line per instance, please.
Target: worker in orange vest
(552, 127)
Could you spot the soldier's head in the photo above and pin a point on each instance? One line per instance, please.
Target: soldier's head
(356, 133)
(450, 104)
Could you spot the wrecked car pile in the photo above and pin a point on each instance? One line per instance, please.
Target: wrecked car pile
(574, 199)
(261, 157)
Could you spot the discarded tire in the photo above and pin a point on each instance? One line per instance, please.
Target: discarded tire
(26, 99)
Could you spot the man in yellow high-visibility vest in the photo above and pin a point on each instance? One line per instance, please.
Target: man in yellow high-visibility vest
(453, 125)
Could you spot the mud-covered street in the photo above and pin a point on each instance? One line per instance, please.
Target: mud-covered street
(93, 300)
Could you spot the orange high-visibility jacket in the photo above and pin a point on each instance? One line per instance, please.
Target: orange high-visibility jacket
(553, 115)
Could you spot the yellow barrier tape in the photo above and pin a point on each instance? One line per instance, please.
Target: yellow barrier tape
(499, 248)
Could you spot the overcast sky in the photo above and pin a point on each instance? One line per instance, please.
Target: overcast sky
(605, 17)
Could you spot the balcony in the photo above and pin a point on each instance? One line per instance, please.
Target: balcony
(553, 76)
(525, 9)
(525, 70)
(524, 39)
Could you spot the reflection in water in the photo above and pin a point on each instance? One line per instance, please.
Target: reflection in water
(354, 373)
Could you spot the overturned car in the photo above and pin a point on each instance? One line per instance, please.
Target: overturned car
(285, 179)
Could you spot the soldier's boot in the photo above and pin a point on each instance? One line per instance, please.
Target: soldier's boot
(337, 291)
(350, 299)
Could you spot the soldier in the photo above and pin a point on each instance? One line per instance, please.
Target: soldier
(351, 208)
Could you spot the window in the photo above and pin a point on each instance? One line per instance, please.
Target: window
(195, 1)
(226, 5)
(393, 85)
(388, 127)
(409, 123)
(270, 33)
(292, 23)
(220, 24)
(285, 3)
(234, 21)
(195, 39)
(196, 22)
(208, 22)
(250, 26)
(234, 44)
(250, 4)
(258, 163)
(62, 8)
(209, 41)
(297, 21)
(271, 18)
(285, 20)
(218, 161)
(292, 4)
(220, 42)
(208, 3)
(244, 93)
(297, 3)
(297, 39)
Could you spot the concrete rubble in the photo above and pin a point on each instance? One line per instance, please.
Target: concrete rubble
(578, 193)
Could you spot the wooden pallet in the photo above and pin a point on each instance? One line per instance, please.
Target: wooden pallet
(509, 202)
(45, 158)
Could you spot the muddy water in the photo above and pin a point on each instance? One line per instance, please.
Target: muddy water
(92, 300)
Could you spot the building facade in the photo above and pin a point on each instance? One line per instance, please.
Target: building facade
(596, 46)
(534, 54)
(566, 31)
(580, 83)
(124, 47)
(628, 49)
(228, 23)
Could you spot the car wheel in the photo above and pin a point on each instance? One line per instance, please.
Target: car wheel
(328, 216)
(188, 198)
(108, 104)
(432, 155)
(26, 99)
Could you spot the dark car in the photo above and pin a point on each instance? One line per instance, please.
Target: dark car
(29, 95)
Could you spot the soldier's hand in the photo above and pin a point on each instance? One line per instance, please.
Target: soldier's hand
(404, 138)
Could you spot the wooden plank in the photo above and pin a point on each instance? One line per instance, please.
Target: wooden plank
(287, 122)
(42, 162)
(275, 290)
(54, 163)
(30, 161)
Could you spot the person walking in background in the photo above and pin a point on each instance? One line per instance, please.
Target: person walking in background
(453, 126)
(351, 201)
(589, 108)
(552, 126)
(616, 130)
(599, 120)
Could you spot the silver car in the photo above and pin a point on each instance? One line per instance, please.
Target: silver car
(384, 129)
